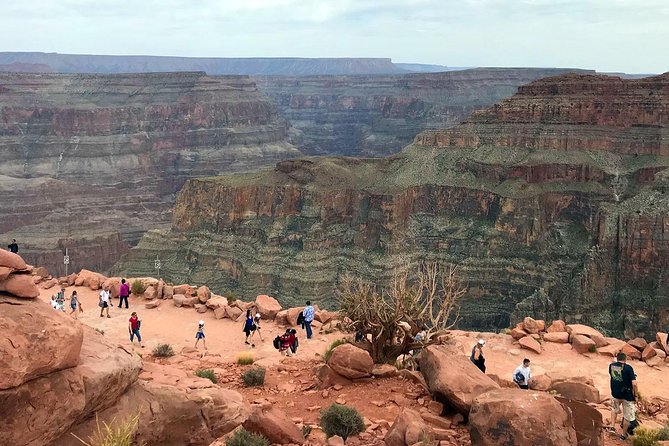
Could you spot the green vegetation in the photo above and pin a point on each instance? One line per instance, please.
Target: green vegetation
(645, 437)
(163, 351)
(336, 343)
(245, 358)
(306, 430)
(242, 437)
(137, 287)
(113, 434)
(592, 349)
(254, 377)
(207, 373)
(663, 434)
(341, 420)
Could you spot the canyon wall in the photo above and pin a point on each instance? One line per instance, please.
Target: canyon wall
(90, 162)
(379, 115)
(554, 203)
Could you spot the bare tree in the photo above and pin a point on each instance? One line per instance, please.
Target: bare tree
(387, 319)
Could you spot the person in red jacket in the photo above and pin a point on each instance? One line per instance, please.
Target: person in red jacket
(133, 328)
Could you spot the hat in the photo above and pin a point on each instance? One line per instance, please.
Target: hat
(481, 341)
(257, 316)
(201, 322)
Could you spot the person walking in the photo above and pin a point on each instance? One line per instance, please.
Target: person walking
(249, 327)
(256, 322)
(60, 300)
(477, 355)
(133, 328)
(522, 374)
(13, 247)
(308, 314)
(200, 335)
(75, 305)
(123, 293)
(623, 394)
(104, 301)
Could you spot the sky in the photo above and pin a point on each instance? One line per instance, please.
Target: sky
(607, 35)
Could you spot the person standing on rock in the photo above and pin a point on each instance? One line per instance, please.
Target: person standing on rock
(123, 293)
(104, 301)
(75, 305)
(13, 247)
(477, 355)
(522, 374)
(308, 314)
(623, 392)
(133, 328)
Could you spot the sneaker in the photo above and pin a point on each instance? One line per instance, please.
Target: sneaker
(623, 437)
(612, 430)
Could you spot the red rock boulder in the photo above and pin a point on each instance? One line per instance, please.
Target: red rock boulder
(11, 260)
(292, 314)
(580, 329)
(20, 285)
(638, 343)
(588, 422)
(583, 344)
(631, 351)
(518, 332)
(577, 390)
(533, 326)
(409, 428)
(648, 353)
(273, 424)
(520, 418)
(267, 306)
(661, 339)
(559, 337)
(529, 343)
(203, 294)
(351, 362)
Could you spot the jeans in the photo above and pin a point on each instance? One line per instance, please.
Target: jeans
(307, 325)
(121, 299)
(135, 333)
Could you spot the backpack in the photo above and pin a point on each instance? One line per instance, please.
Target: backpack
(277, 342)
(632, 425)
(300, 318)
(519, 378)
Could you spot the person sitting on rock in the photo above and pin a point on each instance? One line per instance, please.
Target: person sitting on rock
(521, 375)
(477, 355)
(13, 247)
(623, 394)
(200, 335)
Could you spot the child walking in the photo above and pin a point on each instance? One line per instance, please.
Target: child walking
(75, 305)
(200, 335)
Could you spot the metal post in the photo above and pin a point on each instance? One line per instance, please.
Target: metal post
(66, 261)
(157, 265)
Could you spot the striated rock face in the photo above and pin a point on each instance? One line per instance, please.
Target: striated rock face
(378, 115)
(551, 212)
(89, 162)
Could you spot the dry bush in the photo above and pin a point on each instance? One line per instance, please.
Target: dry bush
(113, 434)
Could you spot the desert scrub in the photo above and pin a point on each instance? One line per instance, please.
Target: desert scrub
(663, 434)
(207, 373)
(163, 351)
(592, 349)
(245, 358)
(137, 287)
(336, 343)
(113, 434)
(242, 437)
(254, 377)
(306, 430)
(341, 420)
(645, 437)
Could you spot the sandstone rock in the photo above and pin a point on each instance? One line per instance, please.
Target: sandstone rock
(384, 370)
(518, 332)
(27, 327)
(533, 326)
(160, 289)
(541, 382)
(203, 294)
(41, 272)
(36, 279)
(6, 271)
(408, 429)
(281, 318)
(191, 301)
(113, 284)
(292, 314)
(588, 422)
(178, 300)
(215, 302)
(580, 329)
(583, 344)
(324, 316)
(654, 361)
(219, 313)
(48, 284)
(273, 424)
(508, 416)
(233, 312)
(660, 353)
(168, 292)
(150, 293)
(648, 353)
(201, 308)
(560, 337)
(19, 285)
(11, 260)
(531, 344)
(267, 306)
(351, 362)
(638, 343)
(600, 341)
(329, 378)
(661, 339)
(631, 351)
(611, 349)
(452, 376)
(335, 440)
(152, 304)
(577, 390)
(186, 290)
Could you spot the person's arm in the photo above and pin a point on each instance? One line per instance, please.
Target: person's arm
(477, 354)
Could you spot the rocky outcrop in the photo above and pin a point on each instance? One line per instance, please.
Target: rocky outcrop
(351, 362)
(378, 115)
(570, 226)
(89, 162)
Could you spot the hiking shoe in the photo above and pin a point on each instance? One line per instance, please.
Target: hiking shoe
(612, 430)
(623, 437)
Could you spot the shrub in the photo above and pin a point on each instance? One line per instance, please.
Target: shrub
(592, 349)
(306, 430)
(242, 437)
(231, 297)
(663, 434)
(207, 373)
(341, 420)
(336, 343)
(113, 435)
(137, 287)
(254, 377)
(163, 351)
(645, 437)
(245, 358)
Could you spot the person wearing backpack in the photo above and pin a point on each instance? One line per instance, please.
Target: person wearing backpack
(522, 374)
(623, 394)
(308, 314)
(133, 328)
(249, 327)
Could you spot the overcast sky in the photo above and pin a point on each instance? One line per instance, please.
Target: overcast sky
(607, 35)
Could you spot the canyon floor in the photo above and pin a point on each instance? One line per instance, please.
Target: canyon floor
(288, 380)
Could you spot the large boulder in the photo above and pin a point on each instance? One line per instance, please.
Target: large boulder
(90, 279)
(178, 300)
(583, 344)
(104, 373)
(408, 429)
(203, 294)
(631, 351)
(518, 332)
(533, 326)
(11, 260)
(233, 313)
(292, 314)
(531, 344)
(584, 330)
(328, 377)
(215, 302)
(452, 377)
(638, 343)
(559, 337)
(35, 340)
(577, 390)
(557, 326)
(186, 290)
(5, 271)
(113, 284)
(168, 292)
(588, 422)
(267, 306)
(273, 424)
(351, 362)
(520, 418)
(661, 339)
(648, 353)
(20, 285)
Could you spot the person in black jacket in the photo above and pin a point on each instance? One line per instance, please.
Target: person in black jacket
(13, 247)
(477, 355)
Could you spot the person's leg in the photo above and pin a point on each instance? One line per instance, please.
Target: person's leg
(139, 338)
(125, 299)
(307, 325)
(629, 415)
(260, 334)
(132, 335)
(615, 410)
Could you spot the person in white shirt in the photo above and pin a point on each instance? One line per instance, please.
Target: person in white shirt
(104, 301)
(521, 375)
